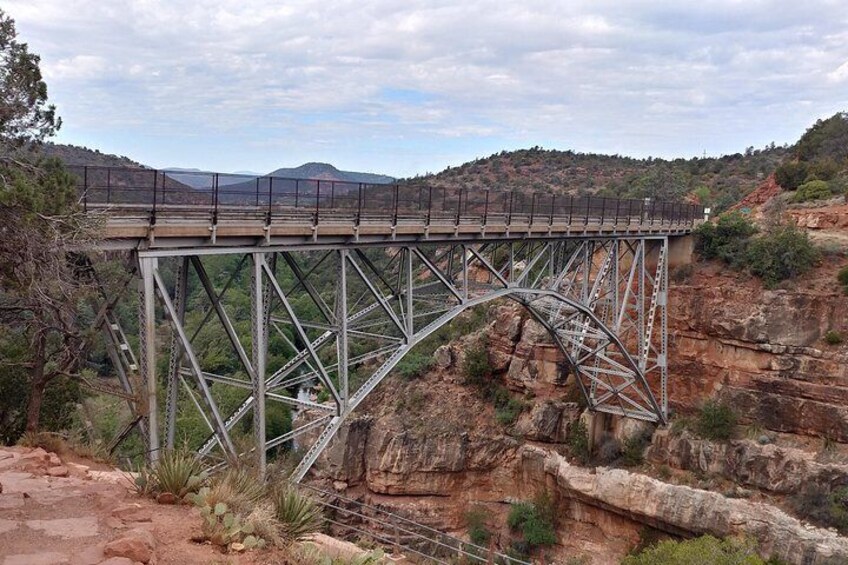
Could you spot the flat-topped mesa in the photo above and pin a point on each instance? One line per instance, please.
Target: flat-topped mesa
(178, 208)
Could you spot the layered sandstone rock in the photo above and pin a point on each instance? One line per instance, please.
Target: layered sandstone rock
(769, 467)
(680, 508)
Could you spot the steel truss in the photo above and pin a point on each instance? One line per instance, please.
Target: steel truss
(339, 319)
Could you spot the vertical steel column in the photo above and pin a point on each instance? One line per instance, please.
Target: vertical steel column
(176, 355)
(342, 337)
(257, 315)
(147, 330)
(410, 315)
(664, 331)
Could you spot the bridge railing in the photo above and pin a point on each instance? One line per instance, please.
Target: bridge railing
(153, 192)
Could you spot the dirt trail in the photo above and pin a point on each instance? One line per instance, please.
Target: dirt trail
(61, 512)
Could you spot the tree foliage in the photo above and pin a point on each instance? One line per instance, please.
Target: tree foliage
(25, 115)
(813, 190)
(781, 253)
(43, 287)
(724, 239)
(705, 550)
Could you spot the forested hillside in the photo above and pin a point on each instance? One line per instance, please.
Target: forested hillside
(712, 181)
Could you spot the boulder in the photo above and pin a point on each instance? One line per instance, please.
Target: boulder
(136, 545)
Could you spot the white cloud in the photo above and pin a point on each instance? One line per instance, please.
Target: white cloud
(641, 77)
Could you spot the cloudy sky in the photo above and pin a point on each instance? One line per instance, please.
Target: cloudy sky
(405, 87)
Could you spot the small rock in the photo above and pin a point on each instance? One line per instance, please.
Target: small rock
(166, 498)
(137, 544)
(339, 486)
(59, 471)
(237, 547)
(54, 460)
(133, 513)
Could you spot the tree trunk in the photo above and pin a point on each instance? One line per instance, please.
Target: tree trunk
(38, 381)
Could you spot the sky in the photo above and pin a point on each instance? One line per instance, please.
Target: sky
(412, 86)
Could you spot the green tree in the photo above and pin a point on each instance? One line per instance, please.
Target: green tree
(812, 190)
(25, 115)
(724, 239)
(43, 287)
(705, 550)
(783, 252)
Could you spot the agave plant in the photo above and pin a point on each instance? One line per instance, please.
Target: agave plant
(298, 514)
(237, 487)
(176, 472)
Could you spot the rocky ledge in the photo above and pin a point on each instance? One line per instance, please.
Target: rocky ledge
(678, 509)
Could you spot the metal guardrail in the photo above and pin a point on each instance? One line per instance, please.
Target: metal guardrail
(390, 530)
(151, 192)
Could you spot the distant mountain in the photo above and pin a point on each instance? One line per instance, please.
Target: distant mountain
(325, 171)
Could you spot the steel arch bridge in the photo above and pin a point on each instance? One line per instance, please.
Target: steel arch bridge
(345, 279)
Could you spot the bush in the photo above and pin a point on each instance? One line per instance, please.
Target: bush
(476, 366)
(478, 532)
(822, 506)
(842, 277)
(633, 451)
(578, 441)
(507, 413)
(725, 239)
(792, 174)
(783, 253)
(833, 337)
(705, 550)
(536, 528)
(414, 365)
(812, 190)
(716, 421)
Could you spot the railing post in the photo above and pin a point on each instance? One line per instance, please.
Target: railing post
(653, 210)
(429, 204)
(317, 202)
(553, 205)
(257, 192)
(270, 199)
(215, 198)
(617, 209)
(486, 209)
(153, 212)
(509, 214)
(108, 185)
(296, 191)
(603, 209)
(532, 208)
(459, 207)
(570, 208)
(332, 194)
(359, 205)
(395, 213)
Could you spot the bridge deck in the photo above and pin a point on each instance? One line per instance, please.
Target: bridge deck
(145, 208)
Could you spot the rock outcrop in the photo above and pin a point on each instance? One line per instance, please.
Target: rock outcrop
(683, 509)
(772, 468)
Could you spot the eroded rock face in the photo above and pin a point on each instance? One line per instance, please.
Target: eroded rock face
(549, 421)
(679, 508)
(419, 463)
(768, 467)
(762, 351)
